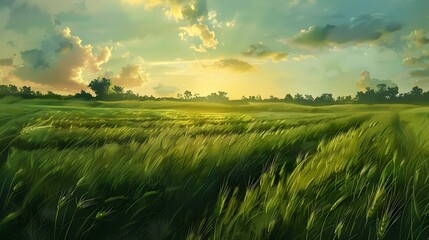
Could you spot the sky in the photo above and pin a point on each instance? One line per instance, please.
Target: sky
(243, 47)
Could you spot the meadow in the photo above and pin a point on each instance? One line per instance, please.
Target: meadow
(178, 170)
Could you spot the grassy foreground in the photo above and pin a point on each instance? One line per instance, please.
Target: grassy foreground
(164, 170)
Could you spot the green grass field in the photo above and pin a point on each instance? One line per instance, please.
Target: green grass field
(170, 170)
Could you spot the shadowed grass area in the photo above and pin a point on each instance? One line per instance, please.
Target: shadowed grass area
(162, 170)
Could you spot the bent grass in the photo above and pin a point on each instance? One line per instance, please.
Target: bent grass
(310, 173)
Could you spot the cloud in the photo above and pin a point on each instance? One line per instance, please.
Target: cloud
(193, 11)
(35, 59)
(164, 90)
(61, 62)
(212, 18)
(259, 50)
(24, 16)
(362, 29)
(207, 37)
(48, 6)
(421, 62)
(366, 81)
(420, 73)
(301, 57)
(422, 83)
(6, 74)
(297, 2)
(234, 65)
(417, 61)
(417, 38)
(6, 62)
(231, 23)
(131, 75)
(6, 3)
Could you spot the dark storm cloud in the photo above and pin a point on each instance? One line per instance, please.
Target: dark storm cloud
(362, 29)
(34, 59)
(259, 50)
(64, 46)
(420, 73)
(24, 17)
(6, 62)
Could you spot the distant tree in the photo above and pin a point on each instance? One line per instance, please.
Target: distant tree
(130, 95)
(8, 90)
(344, 99)
(213, 97)
(51, 94)
(4, 91)
(187, 94)
(288, 98)
(392, 93)
(298, 98)
(416, 95)
(385, 93)
(381, 87)
(380, 93)
(255, 98)
(100, 87)
(26, 92)
(13, 89)
(325, 98)
(117, 93)
(218, 97)
(118, 90)
(416, 91)
(38, 94)
(369, 96)
(222, 94)
(83, 95)
(103, 90)
(309, 98)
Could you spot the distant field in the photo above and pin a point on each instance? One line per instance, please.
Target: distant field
(177, 170)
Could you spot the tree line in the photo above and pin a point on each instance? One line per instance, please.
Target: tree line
(383, 94)
(105, 91)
